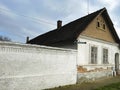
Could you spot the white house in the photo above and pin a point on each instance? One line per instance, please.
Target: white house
(93, 36)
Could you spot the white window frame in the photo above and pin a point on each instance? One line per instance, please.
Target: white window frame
(95, 56)
(105, 56)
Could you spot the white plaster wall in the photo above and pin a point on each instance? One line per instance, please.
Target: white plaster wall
(32, 67)
(84, 52)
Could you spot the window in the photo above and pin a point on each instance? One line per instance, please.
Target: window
(105, 56)
(103, 26)
(93, 55)
(98, 24)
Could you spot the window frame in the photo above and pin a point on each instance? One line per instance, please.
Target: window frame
(93, 60)
(105, 57)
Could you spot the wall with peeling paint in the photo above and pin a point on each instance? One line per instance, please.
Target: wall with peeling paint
(84, 53)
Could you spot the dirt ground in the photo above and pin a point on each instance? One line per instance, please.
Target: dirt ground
(91, 85)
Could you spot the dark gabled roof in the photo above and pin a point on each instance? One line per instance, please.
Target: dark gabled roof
(71, 30)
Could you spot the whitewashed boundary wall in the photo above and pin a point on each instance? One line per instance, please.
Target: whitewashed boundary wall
(32, 67)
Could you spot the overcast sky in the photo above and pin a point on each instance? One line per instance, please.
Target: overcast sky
(22, 18)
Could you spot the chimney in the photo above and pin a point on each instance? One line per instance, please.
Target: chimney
(27, 39)
(59, 24)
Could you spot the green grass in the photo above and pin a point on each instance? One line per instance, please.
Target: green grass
(115, 86)
(112, 83)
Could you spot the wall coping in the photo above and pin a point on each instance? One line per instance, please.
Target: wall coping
(5, 43)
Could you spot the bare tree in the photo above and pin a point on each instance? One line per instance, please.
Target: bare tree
(4, 38)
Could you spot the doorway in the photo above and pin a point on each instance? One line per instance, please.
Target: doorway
(117, 62)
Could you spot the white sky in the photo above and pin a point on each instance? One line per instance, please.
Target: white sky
(22, 18)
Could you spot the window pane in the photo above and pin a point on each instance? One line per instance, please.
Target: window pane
(105, 56)
(93, 55)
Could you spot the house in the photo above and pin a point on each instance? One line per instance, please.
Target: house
(93, 36)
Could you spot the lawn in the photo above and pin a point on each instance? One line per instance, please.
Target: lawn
(115, 86)
(112, 83)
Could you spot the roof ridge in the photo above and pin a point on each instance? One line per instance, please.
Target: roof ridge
(101, 10)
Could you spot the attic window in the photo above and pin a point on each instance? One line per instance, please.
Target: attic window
(100, 24)
(103, 26)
